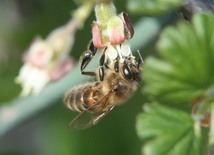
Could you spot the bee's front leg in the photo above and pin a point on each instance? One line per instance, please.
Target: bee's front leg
(86, 58)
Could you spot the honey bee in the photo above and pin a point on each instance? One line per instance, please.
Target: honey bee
(94, 100)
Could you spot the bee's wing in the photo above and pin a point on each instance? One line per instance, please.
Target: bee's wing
(86, 119)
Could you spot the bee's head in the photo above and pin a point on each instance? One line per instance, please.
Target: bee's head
(131, 69)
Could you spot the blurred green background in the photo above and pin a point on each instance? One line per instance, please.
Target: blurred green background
(47, 132)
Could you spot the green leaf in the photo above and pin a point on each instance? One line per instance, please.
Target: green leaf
(152, 6)
(168, 131)
(186, 70)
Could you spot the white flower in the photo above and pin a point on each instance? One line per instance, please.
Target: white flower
(32, 79)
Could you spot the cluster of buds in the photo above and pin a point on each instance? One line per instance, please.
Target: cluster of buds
(112, 31)
(47, 60)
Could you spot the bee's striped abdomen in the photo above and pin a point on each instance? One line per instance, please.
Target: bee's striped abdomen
(83, 97)
(92, 96)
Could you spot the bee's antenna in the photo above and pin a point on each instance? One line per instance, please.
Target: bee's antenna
(140, 56)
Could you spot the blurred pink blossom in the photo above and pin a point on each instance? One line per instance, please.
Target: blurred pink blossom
(47, 60)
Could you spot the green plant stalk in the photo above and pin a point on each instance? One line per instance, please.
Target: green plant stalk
(15, 112)
(211, 132)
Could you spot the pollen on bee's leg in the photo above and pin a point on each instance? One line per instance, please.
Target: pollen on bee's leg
(88, 99)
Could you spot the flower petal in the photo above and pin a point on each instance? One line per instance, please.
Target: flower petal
(111, 52)
(39, 54)
(96, 36)
(126, 49)
(129, 30)
(115, 30)
(32, 79)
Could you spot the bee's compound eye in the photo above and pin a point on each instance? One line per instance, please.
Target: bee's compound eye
(126, 72)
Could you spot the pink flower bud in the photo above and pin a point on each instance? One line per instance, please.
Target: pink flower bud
(115, 30)
(96, 36)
